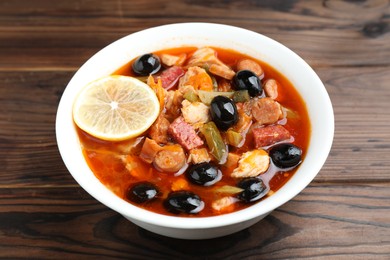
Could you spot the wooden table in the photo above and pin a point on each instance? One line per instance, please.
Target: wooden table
(343, 214)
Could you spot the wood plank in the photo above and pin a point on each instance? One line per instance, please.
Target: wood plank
(66, 34)
(325, 221)
(28, 151)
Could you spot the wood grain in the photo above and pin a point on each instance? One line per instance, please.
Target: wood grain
(343, 214)
(63, 223)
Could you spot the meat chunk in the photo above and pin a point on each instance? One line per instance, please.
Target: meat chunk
(269, 135)
(224, 204)
(173, 104)
(184, 134)
(247, 64)
(171, 60)
(195, 113)
(170, 159)
(159, 130)
(206, 57)
(222, 71)
(266, 111)
(198, 155)
(252, 164)
(198, 78)
(171, 76)
(149, 150)
(271, 88)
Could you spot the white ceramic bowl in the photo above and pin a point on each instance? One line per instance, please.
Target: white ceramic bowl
(256, 45)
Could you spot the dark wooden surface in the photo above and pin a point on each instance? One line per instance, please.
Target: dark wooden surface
(343, 214)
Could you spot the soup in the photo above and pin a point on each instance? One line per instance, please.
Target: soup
(231, 131)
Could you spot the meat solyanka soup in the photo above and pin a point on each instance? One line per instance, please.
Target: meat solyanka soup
(230, 132)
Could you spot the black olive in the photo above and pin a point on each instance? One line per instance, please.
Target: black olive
(142, 192)
(248, 80)
(183, 201)
(146, 64)
(204, 174)
(253, 189)
(223, 112)
(285, 155)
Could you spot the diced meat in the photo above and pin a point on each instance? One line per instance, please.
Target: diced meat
(271, 88)
(198, 155)
(266, 111)
(171, 60)
(171, 76)
(224, 204)
(184, 134)
(195, 113)
(198, 78)
(149, 150)
(252, 164)
(269, 135)
(222, 71)
(159, 130)
(170, 159)
(247, 64)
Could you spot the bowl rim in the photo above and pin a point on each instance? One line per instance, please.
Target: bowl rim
(108, 198)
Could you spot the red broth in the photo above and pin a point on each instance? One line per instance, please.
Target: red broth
(118, 166)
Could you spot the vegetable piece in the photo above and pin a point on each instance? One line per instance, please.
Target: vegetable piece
(227, 189)
(207, 58)
(142, 192)
(251, 164)
(204, 174)
(146, 64)
(170, 159)
(183, 202)
(191, 95)
(254, 189)
(286, 155)
(234, 138)
(247, 80)
(158, 89)
(179, 184)
(223, 112)
(215, 142)
(207, 96)
(241, 96)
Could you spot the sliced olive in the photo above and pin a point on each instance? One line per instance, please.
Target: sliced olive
(248, 80)
(142, 192)
(146, 64)
(286, 155)
(183, 201)
(223, 112)
(253, 189)
(204, 174)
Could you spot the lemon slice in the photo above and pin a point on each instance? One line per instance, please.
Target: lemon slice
(115, 108)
